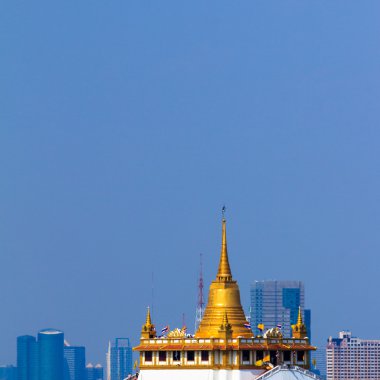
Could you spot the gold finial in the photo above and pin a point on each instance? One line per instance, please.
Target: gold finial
(224, 270)
(225, 319)
(225, 327)
(299, 329)
(148, 320)
(148, 329)
(299, 320)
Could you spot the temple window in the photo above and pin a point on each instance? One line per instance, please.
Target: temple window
(273, 357)
(259, 355)
(204, 356)
(287, 356)
(300, 356)
(162, 356)
(190, 356)
(245, 355)
(148, 356)
(176, 356)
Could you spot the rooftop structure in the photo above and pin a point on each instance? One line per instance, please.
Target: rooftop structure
(224, 346)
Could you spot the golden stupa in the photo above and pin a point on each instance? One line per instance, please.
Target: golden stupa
(223, 299)
(224, 346)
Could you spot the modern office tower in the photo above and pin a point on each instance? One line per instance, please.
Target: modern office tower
(351, 358)
(307, 319)
(119, 359)
(318, 359)
(27, 358)
(98, 371)
(276, 303)
(50, 345)
(94, 373)
(8, 372)
(75, 363)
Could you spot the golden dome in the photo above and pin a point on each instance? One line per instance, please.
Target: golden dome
(223, 299)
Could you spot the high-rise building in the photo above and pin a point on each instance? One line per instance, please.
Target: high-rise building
(50, 345)
(75, 363)
(351, 358)
(318, 359)
(276, 303)
(8, 372)
(27, 358)
(94, 373)
(119, 359)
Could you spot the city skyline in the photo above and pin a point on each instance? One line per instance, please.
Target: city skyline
(124, 129)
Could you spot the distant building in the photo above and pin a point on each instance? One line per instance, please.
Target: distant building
(119, 359)
(27, 358)
(276, 303)
(50, 345)
(75, 363)
(307, 319)
(318, 359)
(8, 372)
(350, 358)
(94, 373)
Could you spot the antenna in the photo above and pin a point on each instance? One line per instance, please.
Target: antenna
(152, 306)
(201, 303)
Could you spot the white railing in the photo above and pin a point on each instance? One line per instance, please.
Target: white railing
(286, 367)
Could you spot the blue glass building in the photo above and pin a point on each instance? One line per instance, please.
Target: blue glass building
(276, 303)
(50, 344)
(74, 363)
(119, 359)
(27, 358)
(94, 373)
(8, 372)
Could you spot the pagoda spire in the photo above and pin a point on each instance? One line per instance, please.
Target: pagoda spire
(299, 320)
(225, 319)
(224, 270)
(148, 329)
(223, 299)
(148, 320)
(225, 330)
(299, 329)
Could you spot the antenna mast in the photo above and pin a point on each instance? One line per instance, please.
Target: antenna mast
(201, 303)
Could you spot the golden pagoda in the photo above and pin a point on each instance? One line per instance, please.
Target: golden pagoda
(224, 297)
(224, 346)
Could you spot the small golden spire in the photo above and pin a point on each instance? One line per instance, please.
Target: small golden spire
(299, 320)
(148, 320)
(148, 330)
(299, 329)
(225, 319)
(225, 328)
(224, 270)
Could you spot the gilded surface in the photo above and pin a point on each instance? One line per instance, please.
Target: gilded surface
(224, 297)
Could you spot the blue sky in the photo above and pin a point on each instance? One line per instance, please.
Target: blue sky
(126, 125)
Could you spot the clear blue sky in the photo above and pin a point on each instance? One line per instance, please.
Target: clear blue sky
(126, 125)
